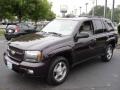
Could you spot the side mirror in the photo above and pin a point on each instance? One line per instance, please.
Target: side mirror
(81, 35)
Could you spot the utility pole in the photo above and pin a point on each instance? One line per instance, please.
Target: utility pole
(96, 3)
(80, 10)
(105, 8)
(86, 7)
(112, 12)
(93, 11)
(75, 12)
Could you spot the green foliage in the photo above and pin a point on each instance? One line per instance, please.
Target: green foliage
(5, 9)
(1, 32)
(117, 14)
(38, 9)
(19, 8)
(50, 15)
(99, 11)
(26, 9)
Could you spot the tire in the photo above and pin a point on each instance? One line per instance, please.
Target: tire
(7, 38)
(58, 71)
(108, 53)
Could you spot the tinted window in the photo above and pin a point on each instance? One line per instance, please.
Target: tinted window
(23, 26)
(109, 25)
(87, 27)
(98, 26)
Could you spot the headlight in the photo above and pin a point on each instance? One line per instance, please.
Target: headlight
(33, 56)
(8, 47)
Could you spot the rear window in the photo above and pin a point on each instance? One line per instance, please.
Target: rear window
(25, 26)
(109, 25)
(11, 26)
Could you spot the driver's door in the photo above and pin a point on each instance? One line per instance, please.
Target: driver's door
(85, 47)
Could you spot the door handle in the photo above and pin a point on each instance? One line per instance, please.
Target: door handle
(93, 40)
(92, 43)
(107, 36)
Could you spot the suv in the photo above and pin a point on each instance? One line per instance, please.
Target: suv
(60, 45)
(16, 29)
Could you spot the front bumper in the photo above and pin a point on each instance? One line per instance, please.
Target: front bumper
(11, 35)
(34, 69)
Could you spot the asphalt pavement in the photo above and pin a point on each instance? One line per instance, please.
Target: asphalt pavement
(91, 75)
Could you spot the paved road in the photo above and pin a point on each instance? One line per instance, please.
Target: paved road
(92, 75)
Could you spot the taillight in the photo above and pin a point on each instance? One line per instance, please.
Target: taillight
(17, 29)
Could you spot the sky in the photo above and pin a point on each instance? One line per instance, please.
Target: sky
(76, 4)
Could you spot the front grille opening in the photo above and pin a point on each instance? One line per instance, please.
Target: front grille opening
(16, 54)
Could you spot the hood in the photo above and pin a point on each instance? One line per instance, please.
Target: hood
(34, 41)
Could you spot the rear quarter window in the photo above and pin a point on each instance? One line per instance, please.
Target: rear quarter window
(11, 26)
(98, 26)
(109, 25)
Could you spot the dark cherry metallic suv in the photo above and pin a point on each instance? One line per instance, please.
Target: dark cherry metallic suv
(60, 45)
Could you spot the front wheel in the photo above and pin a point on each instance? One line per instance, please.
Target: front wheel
(58, 71)
(108, 53)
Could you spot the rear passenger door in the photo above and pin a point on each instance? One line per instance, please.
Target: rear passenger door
(100, 35)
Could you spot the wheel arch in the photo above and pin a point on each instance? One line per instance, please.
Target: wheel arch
(65, 52)
(112, 42)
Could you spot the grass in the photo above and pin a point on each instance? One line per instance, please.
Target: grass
(2, 32)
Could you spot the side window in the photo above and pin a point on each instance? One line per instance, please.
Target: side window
(98, 26)
(86, 27)
(109, 25)
(23, 26)
(104, 27)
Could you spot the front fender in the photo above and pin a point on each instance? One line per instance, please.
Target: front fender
(60, 50)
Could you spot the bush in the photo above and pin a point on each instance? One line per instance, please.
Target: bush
(1, 32)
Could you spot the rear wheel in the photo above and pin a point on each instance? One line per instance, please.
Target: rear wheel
(58, 71)
(108, 53)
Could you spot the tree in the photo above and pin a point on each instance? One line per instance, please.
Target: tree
(117, 14)
(5, 9)
(26, 9)
(99, 11)
(20, 8)
(50, 16)
(40, 10)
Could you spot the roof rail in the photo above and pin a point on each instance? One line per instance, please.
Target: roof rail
(89, 16)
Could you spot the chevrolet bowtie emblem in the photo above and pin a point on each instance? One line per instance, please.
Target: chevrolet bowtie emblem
(12, 52)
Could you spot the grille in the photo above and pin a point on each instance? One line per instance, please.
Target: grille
(16, 54)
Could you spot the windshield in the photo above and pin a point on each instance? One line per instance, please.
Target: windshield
(64, 27)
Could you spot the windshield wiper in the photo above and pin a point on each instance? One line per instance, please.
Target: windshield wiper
(55, 33)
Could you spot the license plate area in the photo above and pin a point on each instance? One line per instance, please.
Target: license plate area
(9, 65)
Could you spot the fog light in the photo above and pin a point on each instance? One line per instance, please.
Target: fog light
(30, 71)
